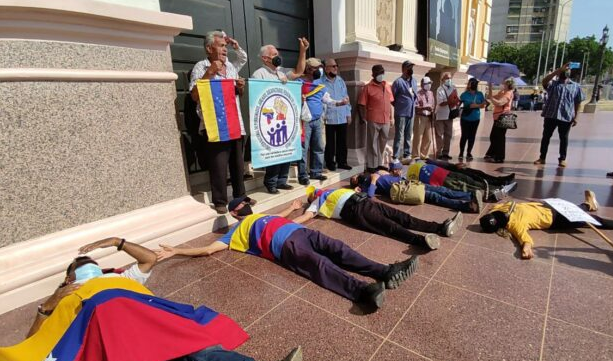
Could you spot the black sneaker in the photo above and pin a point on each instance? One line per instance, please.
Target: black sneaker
(304, 181)
(451, 226)
(331, 167)
(294, 355)
(373, 295)
(469, 157)
(345, 166)
(320, 177)
(400, 271)
(272, 190)
(285, 186)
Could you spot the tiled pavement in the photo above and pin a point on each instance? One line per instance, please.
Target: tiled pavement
(473, 299)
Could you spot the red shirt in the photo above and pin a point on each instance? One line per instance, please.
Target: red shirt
(377, 98)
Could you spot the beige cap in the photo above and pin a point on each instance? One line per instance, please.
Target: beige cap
(313, 62)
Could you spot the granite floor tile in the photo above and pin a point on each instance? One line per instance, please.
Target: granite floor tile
(342, 231)
(234, 293)
(450, 324)
(503, 277)
(323, 337)
(392, 352)
(174, 273)
(15, 324)
(386, 250)
(583, 299)
(272, 273)
(564, 342)
(581, 249)
(381, 322)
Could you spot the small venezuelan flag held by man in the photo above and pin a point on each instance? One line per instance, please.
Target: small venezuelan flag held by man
(309, 89)
(118, 319)
(219, 109)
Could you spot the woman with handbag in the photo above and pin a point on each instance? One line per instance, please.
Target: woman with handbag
(502, 109)
(472, 102)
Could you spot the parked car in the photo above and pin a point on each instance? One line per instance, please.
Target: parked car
(524, 103)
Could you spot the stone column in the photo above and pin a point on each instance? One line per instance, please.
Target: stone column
(361, 17)
(406, 24)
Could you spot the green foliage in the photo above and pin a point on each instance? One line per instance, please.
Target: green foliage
(526, 57)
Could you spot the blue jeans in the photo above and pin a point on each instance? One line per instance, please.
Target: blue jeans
(276, 175)
(313, 139)
(404, 130)
(445, 197)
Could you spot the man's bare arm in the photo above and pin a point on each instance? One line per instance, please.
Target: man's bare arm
(166, 251)
(305, 217)
(296, 204)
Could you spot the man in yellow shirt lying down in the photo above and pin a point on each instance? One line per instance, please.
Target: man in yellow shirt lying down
(519, 218)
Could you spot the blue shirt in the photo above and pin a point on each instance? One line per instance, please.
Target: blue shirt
(383, 185)
(561, 101)
(315, 101)
(404, 98)
(338, 90)
(467, 99)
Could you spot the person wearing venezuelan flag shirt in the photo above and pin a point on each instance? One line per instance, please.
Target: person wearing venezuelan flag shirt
(363, 213)
(307, 252)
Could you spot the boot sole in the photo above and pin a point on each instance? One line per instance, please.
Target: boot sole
(433, 241)
(396, 280)
(454, 225)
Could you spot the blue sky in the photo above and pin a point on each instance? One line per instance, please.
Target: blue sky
(589, 17)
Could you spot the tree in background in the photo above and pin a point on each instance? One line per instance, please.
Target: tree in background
(526, 56)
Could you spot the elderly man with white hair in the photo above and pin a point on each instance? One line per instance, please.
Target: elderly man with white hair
(422, 127)
(276, 175)
(228, 153)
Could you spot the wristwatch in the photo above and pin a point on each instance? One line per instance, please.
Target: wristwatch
(42, 312)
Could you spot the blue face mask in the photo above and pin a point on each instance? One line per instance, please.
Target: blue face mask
(87, 272)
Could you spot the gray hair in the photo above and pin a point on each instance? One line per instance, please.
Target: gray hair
(326, 61)
(209, 38)
(264, 49)
(445, 74)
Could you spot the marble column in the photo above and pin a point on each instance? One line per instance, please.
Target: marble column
(406, 24)
(361, 18)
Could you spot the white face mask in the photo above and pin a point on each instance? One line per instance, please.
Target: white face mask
(427, 86)
(379, 78)
(448, 82)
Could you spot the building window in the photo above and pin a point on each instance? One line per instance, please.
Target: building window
(512, 29)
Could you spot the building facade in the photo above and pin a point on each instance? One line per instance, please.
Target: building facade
(518, 22)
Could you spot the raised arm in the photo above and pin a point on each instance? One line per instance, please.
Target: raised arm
(296, 204)
(301, 63)
(550, 76)
(166, 251)
(145, 257)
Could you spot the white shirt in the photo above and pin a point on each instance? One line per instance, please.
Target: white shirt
(268, 74)
(442, 94)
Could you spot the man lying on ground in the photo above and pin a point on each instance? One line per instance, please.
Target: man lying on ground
(437, 176)
(86, 318)
(307, 252)
(360, 212)
(518, 218)
(498, 181)
(381, 183)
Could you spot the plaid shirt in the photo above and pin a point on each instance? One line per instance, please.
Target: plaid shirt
(562, 98)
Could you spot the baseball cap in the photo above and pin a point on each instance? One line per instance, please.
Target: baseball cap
(426, 80)
(236, 201)
(407, 63)
(313, 62)
(395, 165)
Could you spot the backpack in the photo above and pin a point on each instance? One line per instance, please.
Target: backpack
(408, 192)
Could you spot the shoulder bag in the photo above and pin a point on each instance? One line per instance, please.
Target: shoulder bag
(453, 113)
(506, 121)
(408, 192)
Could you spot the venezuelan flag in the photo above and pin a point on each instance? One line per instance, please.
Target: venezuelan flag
(309, 89)
(219, 109)
(117, 319)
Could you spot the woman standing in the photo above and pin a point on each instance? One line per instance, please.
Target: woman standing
(502, 105)
(472, 102)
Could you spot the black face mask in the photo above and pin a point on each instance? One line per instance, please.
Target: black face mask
(331, 75)
(277, 61)
(410, 72)
(245, 211)
(317, 74)
(473, 86)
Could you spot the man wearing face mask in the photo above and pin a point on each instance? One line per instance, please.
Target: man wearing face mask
(304, 251)
(375, 109)
(276, 175)
(316, 96)
(84, 268)
(405, 94)
(422, 126)
(337, 119)
(447, 100)
(560, 111)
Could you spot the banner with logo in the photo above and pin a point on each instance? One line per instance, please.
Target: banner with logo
(274, 113)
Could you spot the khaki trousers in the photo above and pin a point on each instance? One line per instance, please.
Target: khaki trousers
(377, 135)
(444, 133)
(421, 136)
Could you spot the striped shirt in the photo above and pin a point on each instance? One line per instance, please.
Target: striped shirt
(260, 235)
(338, 90)
(562, 98)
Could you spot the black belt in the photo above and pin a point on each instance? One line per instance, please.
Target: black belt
(359, 197)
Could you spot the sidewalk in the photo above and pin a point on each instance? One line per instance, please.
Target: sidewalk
(473, 299)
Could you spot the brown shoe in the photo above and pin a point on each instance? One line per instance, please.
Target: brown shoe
(562, 164)
(539, 161)
(590, 200)
(221, 209)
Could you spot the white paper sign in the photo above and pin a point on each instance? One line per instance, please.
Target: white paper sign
(572, 212)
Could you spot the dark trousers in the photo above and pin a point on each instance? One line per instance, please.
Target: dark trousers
(549, 125)
(276, 175)
(560, 222)
(215, 353)
(379, 218)
(220, 155)
(497, 143)
(478, 174)
(324, 261)
(336, 145)
(462, 182)
(469, 133)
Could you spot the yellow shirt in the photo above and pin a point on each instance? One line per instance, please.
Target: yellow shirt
(526, 216)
